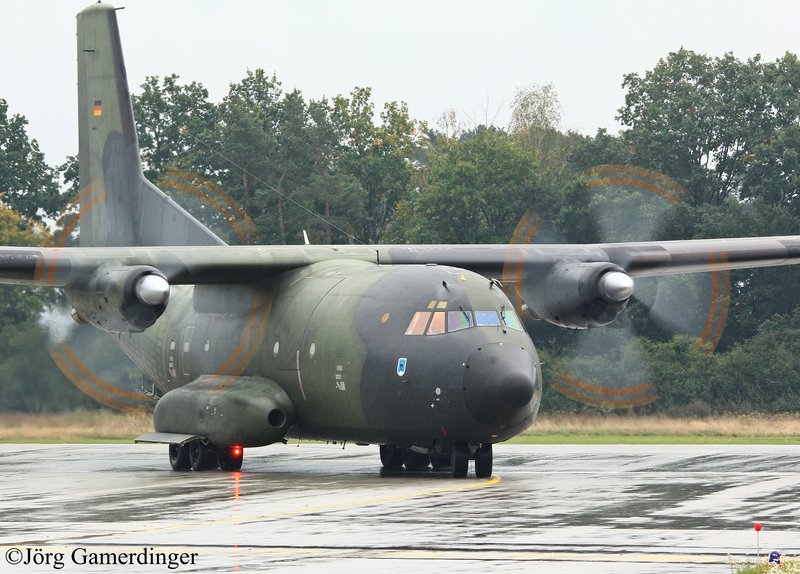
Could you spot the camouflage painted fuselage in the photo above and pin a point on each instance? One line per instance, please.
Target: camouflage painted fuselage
(333, 336)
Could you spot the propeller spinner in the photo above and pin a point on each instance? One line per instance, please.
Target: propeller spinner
(616, 286)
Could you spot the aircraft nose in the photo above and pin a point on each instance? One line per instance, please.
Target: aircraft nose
(499, 383)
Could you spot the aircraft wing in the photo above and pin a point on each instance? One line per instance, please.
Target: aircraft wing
(59, 267)
(64, 266)
(641, 259)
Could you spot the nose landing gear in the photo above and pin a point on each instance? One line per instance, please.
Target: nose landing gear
(394, 458)
(459, 460)
(483, 461)
(461, 455)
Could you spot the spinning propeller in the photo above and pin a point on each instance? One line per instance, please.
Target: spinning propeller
(608, 367)
(89, 358)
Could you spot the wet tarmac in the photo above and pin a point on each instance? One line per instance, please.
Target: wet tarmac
(314, 508)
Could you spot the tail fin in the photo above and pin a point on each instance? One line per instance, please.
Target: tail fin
(119, 207)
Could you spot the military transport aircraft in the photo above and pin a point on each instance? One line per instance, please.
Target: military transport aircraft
(416, 348)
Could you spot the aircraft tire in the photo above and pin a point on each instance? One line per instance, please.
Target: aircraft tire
(229, 461)
(391, 456)
(179, 456)
(459, 460)
(416, 461)
(483, 461)
(201, 456)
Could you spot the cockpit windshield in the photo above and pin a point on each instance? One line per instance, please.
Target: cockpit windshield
(487, 319)
(458, 320)
(435, 322)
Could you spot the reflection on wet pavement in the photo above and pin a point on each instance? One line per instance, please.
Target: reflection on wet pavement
(587, 508)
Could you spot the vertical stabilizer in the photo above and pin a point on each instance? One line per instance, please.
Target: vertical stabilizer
(119, 207)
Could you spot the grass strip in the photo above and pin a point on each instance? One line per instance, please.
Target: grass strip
(104, 426)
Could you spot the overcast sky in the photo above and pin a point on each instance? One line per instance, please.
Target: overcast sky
(467, 55)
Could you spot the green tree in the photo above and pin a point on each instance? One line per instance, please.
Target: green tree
(721, 127)
(248, 125)
(763, 372)
(773, 166)
(600, 149)
(21, 303)
(475, 191)
(290, 166)
(175, 124)
(27, 184)
(672, 113)
(29, 380)
(290, 162)
(380, 158)
(332, 190)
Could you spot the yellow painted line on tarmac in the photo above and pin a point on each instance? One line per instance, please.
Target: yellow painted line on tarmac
(313, 510)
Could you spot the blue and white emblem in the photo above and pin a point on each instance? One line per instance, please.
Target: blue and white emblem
(401, 366)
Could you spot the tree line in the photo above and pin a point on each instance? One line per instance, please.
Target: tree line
(709, 147)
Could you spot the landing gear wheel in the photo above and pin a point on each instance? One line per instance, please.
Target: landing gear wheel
(391, 456)
(416, 461)
(483, 461)
(230, 458)
(179, 456)
(201, 456)
(459, 460)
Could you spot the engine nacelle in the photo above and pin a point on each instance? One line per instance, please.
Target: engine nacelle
(227, 410)
(120, 300)
(578, 295)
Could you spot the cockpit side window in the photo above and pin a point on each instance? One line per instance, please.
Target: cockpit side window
(418, 323)
(510, 319)
(437, 324)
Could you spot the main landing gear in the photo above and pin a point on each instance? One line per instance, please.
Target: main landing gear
(199, 455)
(394, 458)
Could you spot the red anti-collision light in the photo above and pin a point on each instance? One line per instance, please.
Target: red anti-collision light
(237, 451)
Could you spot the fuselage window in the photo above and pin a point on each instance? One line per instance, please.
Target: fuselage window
(458, 320)
(511, 320)
(418, 323)
(437, 324)
(487, 319)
